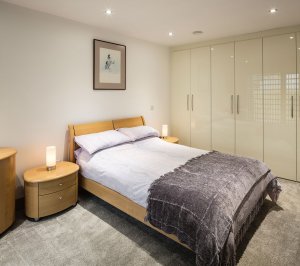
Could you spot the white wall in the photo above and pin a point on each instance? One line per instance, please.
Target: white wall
(46, 72)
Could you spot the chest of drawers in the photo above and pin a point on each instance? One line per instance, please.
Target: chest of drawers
(7, 187)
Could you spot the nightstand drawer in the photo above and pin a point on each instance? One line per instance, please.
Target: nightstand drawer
(55, 202)
(57, 185)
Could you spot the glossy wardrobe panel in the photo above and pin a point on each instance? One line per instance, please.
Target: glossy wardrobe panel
(180, 96)
(249, 98)
(200, 98)
(280, 78)
(222, 78)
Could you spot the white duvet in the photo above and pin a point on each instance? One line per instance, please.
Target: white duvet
(131, 168)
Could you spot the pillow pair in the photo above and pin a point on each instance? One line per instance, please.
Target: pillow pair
(141, 132)
(110, 138)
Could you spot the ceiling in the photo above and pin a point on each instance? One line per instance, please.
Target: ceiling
(152, 20)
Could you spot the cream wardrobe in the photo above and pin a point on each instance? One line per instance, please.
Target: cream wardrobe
(180, 96)
(190, 94)
(240, 97)
(222, 86)
(280, 83)
(249, 98)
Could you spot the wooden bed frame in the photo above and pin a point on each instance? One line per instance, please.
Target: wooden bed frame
(112, 197)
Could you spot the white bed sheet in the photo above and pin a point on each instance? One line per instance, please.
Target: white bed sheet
(131, 168)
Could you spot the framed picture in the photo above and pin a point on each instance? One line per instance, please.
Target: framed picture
(109, 66)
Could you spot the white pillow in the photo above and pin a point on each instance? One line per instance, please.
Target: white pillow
(102, 140)
(136, 133)
(77, 152)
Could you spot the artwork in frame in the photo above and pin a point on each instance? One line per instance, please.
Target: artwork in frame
(109, 66)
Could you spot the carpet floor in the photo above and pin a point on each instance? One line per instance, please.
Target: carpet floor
(94, 233)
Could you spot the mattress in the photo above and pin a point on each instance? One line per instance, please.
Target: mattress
(131, 168)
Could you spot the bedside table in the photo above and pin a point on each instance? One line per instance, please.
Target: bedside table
(171, 139)
(49, 192)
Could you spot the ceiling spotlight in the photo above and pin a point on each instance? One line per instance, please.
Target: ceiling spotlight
(273, 10)
(108, 12)
(291, 37)
(171, 34)
(197, 32)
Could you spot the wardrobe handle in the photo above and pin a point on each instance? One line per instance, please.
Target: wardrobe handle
(231, 104)
(192, 102)
(292, 106)
(238, 104)
(187, 102)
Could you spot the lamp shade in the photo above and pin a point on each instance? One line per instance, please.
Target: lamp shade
(164, 131)
(50, 157)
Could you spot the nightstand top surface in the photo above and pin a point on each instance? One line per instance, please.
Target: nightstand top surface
(6, 152)
(171, 139)
(41, 174)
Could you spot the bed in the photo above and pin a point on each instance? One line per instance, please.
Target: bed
(136, 206)
(110, 196)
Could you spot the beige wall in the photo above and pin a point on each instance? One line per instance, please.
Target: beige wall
(46, 82)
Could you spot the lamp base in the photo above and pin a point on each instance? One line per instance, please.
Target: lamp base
(51, 168)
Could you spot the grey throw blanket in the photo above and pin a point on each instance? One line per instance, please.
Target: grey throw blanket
(198, 201)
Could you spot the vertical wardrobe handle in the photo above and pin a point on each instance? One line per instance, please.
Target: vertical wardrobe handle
(238, 104)
(192, 102)
(231, 98)
(188, 102)
(292, 106)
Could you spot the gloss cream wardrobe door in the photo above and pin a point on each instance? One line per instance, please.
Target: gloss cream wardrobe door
(180, 96)
(249, 98)
(222, 79)
(298, 106)
(200, 98)
(279, 68)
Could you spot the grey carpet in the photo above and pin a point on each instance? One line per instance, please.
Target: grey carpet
(94, 233)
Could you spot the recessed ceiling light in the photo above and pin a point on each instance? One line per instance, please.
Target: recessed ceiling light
(171, 34)
(197, 32)
(108, 11)
(273, 10)
(291, 37)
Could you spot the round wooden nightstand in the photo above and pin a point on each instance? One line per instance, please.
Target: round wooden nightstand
(171, 139)
(48, 192)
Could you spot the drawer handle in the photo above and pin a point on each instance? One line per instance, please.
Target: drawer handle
(60, 184)
(60, 198)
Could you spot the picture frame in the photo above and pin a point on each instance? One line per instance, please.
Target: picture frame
(109, 70)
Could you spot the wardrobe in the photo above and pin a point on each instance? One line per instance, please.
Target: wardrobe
(241, 97)
(190, 97)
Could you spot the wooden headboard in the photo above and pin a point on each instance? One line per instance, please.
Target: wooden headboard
(88, 128)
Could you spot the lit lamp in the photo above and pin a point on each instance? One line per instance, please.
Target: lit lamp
(51, 157)
(164, 131)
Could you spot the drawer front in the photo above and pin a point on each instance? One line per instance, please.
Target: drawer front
(58, 201)
(57, 185)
